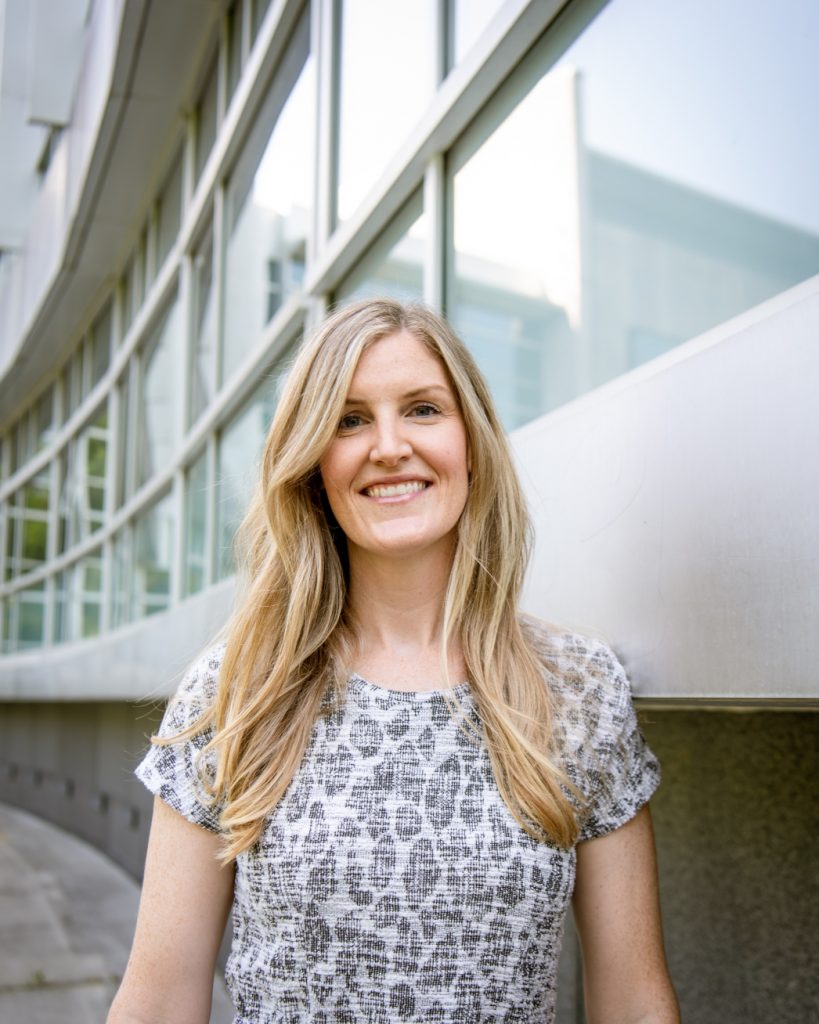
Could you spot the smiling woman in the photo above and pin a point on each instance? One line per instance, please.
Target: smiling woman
(396, 475)
(397, 779)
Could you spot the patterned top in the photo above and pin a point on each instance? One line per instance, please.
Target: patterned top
(392, 883)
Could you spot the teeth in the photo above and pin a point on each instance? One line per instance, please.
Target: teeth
(393, 490)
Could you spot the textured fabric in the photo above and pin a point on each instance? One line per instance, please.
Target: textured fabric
(392, 883)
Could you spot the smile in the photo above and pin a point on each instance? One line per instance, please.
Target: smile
(395, 490)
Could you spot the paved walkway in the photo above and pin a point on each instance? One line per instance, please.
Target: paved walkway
(67, 917)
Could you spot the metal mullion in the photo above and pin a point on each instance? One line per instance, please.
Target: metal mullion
(178, 559)
(218, 281)
(325, 38)
(435, 210)
(211, 505)
(222, 70)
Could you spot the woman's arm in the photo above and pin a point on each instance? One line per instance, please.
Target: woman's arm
(186, 896)
(617, 911)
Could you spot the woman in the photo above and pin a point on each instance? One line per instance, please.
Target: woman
(391, 774)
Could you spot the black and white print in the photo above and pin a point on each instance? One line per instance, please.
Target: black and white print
(392, 884)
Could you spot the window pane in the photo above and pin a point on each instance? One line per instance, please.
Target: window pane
(234, 54)
(467, 20)
(88, 595)
(203, 375)
(61, 604)
(258, 11)
(122, 582)
(395, 264)
(649, 193)
(384, 87)
(206, 120)
(196, 508)
(83, 475)
(156, 426)
(34, 513)
(267, 205)
(26, 619)
(238, 458)
(153, 558)
(44, 418)
(101, 345)
(170, 211)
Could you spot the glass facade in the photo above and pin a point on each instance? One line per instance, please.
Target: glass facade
(598, 197)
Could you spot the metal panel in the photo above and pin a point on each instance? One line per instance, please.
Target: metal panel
(677, 515)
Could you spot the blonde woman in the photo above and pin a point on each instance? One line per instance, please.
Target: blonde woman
(396, 781)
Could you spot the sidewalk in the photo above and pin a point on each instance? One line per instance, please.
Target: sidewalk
(67, 918)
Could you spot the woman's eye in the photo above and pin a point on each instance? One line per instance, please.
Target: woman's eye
(350, 421)
(425, 409)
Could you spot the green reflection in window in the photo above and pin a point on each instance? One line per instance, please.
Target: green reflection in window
(122, 578)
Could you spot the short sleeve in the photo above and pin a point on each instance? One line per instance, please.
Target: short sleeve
(607, 756)
(177, 772)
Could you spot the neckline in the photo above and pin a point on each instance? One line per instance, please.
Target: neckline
(360, 683)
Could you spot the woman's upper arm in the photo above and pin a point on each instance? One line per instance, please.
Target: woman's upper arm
(617, 912)
(186, 896)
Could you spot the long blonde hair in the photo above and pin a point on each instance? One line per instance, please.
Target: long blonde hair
(290, 637)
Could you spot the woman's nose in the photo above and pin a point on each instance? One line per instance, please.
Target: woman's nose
(390, 444)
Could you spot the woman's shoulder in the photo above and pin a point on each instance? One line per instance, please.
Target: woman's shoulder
(584, 674)
(197, 691)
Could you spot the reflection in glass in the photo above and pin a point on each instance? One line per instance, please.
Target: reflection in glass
(196, 509)
(153, 558)
(203, 369)
(635, 214)
(394, 266)
(27, 613)
(87, 595)
(26, 515)
(267, 203)
(387, 78)
(239, 449)
(61, 605)
(122, 575)
(83, 480)
(156, 424)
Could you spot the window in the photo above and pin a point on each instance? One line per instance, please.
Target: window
(159, 394)
(238, 454)
(267, 205)
(643, 193)
(196, 513)
(394, 266)
(203, 368)
(387, 78)
(153, 558)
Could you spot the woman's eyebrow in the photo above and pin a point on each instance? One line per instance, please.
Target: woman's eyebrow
(425, 389)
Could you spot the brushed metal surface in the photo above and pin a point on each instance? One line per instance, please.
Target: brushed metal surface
(677, 512)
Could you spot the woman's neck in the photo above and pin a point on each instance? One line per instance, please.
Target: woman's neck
(397, 607)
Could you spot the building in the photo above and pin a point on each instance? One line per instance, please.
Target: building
(614, 202)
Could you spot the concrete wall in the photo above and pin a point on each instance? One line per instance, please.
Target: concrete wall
(72, 764)
(736, 818)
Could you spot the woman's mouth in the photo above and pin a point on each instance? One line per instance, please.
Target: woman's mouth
(395, 490)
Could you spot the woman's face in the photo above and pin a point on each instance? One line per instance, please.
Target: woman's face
(397, 472)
